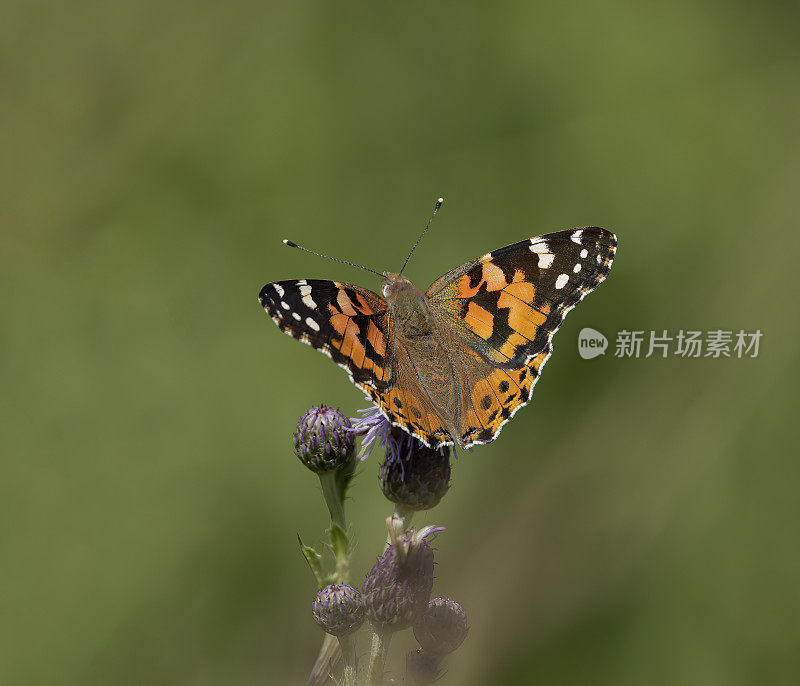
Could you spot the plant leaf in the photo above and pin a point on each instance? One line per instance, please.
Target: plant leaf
(314, 560)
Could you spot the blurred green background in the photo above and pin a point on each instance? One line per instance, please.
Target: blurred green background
(637, 524)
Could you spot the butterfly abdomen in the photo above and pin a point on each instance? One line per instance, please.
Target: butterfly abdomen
(426, 363)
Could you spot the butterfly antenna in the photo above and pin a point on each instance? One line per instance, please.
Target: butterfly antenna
(435, 210)
(291, 244)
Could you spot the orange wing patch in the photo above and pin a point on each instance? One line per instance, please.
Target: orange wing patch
(522, 316)
(510, 325)
(349, 345)
(480, 320)
(376, 338)
(409, 408)
(488, 274)
(495, 398)
(356, 335)
(492, 400)
(353, 303)
(499, 307)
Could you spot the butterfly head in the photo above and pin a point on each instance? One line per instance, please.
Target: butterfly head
(394, 284)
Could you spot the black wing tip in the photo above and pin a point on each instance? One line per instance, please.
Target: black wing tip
(262, 295)
(268, 296)
(600, 231)
(597, 231)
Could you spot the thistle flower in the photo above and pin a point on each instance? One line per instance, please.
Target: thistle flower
(413, 475)
(324, 440)
(442, 628)
(397, 588)
(374, 427)
(338, 609)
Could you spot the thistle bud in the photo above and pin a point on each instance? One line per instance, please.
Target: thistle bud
(338, 609)
(398, 587)
(442, 628)
(413, 475)
(324, 440)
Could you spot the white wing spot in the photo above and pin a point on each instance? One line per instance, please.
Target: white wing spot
(541, 249)
(278, 289)
(284, 305)
(584, 253)
(312, 324)
(561, 281)
(576, 236)
(545, 258)
(577, 268)
(296, 316)
(305, 291)
(302, 282)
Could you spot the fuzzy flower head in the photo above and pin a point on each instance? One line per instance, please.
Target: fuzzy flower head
(397, 588)
(374, 428)
(413, 475)
(324, 440)
(377, 430)
(338, 609)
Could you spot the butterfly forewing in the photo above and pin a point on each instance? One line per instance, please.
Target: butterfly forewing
(508, 303)
(347, 323)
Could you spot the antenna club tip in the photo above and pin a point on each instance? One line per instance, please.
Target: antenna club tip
(286, 241)
(440, 200)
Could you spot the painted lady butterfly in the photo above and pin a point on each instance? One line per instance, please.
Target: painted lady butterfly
(455, 363)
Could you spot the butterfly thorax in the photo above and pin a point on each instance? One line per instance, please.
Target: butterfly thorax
(409, 306)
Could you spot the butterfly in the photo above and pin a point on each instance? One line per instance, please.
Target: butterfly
(453, 364)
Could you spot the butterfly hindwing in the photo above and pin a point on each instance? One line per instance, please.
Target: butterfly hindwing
(406, 405)
(347, 323)
(495, 395)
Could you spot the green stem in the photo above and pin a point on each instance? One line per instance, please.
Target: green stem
(333, 499)
(333, 493)
(330, 491)
(377, 656)
(404, 513)
(348, 646)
